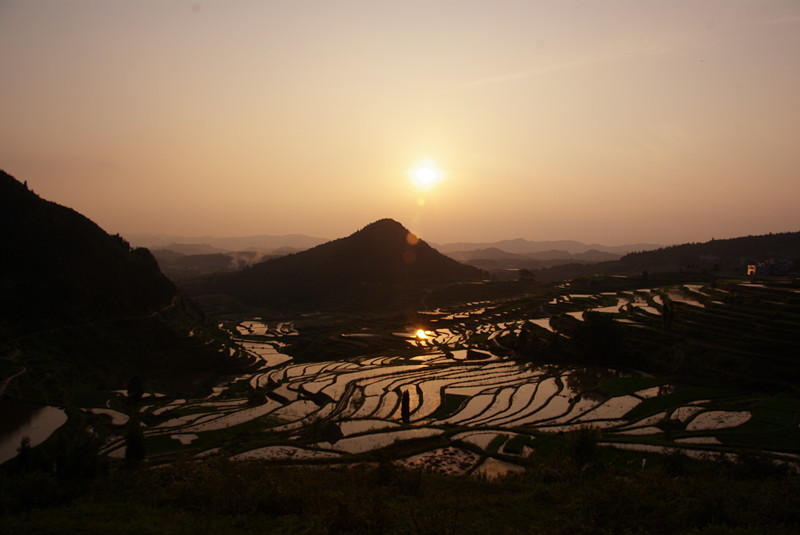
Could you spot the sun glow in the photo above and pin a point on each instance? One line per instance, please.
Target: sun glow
(426, 175)
(421, 334)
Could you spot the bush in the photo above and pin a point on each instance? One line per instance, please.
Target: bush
(582, 445)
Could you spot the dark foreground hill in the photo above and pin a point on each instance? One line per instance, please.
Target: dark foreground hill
(382, 257)
(81, 307)
(61, 267)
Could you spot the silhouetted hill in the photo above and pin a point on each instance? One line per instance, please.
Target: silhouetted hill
(723, 254)
(79, 306)
(380, 255)
(60, 264)
(778, 252)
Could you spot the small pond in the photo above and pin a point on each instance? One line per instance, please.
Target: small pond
(21, 420)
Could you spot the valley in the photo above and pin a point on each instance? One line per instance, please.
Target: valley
(476, 396)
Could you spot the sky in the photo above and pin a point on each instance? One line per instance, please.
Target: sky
(607, 122)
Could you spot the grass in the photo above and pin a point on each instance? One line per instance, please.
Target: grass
(516, 444)
(449, 406)
(680, 397)
(772, 427)
(620, 386)
(496, 442)
(553, 497)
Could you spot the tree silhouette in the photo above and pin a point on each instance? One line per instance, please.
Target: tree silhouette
(134, 444)
(135, 390)
(24, 457)
(667, 314)
(405, 411)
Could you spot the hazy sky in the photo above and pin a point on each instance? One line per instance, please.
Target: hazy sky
(609, 121)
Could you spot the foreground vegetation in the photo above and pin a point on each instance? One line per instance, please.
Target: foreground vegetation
(569, 487)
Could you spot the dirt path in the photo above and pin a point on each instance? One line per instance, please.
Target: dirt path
(159, 311)
(4, 384)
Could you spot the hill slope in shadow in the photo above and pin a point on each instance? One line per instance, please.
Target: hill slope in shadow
(62, 268)
(779, 252)
(80, 308)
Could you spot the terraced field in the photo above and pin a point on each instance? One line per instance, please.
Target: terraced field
(472, 407)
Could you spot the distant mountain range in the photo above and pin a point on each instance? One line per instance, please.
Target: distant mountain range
(285, 244)
(524, 247)
(383, 256)
(509, 255)
(493, 259)
(181, 257)
(209, 244)
(180, 266)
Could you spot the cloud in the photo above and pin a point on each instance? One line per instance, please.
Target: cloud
(617, 53)
(782, 20)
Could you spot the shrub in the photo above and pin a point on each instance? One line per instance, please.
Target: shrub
(582, 445)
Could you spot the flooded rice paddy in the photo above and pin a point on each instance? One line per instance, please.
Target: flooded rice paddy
(24, 420)
(467, 412)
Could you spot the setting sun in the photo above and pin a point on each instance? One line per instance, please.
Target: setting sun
(421, 334)
(426, 175)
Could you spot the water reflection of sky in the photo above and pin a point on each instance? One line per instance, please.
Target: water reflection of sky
(26, 420)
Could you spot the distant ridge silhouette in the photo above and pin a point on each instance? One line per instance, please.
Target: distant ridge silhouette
(380, 254)
(521, 246)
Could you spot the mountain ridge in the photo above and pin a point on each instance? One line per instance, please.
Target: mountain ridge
(272, 243)
(259, 242)
(379, 255)
(523, 246)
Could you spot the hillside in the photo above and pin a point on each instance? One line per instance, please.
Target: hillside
(733, 253)
(62, 267)
(82, 305)
(775, 254)
(383, 255)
